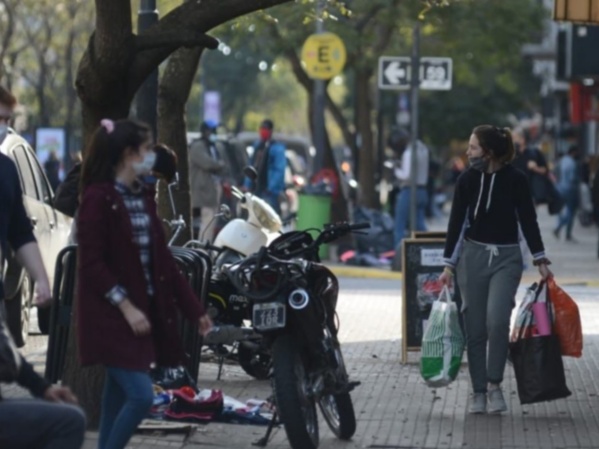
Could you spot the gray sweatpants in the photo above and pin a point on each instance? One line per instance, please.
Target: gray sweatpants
(488, 277)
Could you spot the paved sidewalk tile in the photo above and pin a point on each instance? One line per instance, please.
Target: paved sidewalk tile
(394, 408)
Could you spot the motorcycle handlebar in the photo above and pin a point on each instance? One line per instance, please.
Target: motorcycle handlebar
(359, 226)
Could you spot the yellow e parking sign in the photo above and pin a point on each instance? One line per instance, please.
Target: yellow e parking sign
(323, 56)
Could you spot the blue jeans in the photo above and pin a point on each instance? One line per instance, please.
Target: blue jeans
(126, 400)
(402, 212)
(568, 214)
(33, 423)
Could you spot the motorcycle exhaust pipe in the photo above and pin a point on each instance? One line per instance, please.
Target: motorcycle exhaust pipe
(299, 299)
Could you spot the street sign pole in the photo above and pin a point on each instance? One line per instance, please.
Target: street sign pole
(415, 85)
(147, 97)
(319, 104)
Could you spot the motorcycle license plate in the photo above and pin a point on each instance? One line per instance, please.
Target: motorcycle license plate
(269, 316)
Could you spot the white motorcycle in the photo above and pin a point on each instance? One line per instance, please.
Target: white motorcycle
(229, 309)
(242, 237)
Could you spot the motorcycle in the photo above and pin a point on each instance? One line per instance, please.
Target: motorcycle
(225, 305)
(294, 300)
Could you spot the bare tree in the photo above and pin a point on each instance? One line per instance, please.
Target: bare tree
(111, 71)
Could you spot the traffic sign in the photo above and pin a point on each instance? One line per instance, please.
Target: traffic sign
(395, 73)
(323, 55)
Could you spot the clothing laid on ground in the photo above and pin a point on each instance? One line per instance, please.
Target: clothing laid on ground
(487, 208)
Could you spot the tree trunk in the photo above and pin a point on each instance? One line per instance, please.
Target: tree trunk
(367, 195)
(173, 93)
(87, 382)
(70, 94)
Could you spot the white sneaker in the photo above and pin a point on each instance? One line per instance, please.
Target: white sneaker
(478, 404)
(496, 401)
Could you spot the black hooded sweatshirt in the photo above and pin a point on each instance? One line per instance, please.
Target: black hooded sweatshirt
(487, 208)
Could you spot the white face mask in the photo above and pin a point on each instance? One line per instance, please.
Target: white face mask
(3, 132)
(145, 166)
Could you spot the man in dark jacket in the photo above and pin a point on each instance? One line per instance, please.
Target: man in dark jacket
(55, 422)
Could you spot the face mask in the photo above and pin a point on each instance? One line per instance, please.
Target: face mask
(265, 133)
(146, 165)
(479, 163)
(3, 132)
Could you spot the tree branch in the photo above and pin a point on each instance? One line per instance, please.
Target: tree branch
(174, 40)
(363, 22)
(192, 17)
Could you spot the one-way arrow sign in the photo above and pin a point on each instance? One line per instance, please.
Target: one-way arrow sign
(395, 72)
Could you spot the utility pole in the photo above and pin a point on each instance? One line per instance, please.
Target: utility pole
(147, 96)
(415, 86)
(319, 103)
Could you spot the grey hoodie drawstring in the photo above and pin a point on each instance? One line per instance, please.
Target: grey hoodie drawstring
(480, 193)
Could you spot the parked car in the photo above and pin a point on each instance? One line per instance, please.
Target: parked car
(51, 228)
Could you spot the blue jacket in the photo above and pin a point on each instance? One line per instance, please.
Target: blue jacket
(15, 227)
(277, 162)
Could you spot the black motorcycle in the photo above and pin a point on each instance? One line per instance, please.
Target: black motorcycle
(293, 307)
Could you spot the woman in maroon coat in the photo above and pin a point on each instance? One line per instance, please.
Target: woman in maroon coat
(129, 285)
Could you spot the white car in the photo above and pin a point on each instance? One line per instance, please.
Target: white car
(51, 228)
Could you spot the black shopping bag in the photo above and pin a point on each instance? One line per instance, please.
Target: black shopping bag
(539, 369)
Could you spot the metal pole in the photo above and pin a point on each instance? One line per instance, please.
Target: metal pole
(380, 120)
(415, 85)
(319, 104)
(147, 97)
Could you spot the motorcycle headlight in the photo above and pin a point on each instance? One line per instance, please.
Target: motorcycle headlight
(266, 215)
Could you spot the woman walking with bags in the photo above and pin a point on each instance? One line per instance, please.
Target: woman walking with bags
(129, 287)
(491, 199)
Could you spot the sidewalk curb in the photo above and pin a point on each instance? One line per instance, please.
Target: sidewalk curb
(379, 273)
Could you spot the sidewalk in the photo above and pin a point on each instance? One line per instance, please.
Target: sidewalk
(394, 408)
(573, 263)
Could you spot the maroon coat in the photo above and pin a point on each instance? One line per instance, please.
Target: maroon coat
(108, 256)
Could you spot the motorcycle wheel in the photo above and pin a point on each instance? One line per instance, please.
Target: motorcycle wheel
(338, 412)
(296, 408)
(255, 362)
(338, 409)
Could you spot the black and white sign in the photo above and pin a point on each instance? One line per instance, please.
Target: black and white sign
(395, 73)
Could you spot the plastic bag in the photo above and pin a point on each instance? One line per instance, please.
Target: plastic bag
(524, 314)
(539, 369)
(172, 378)
(567, 323)
(442, 343)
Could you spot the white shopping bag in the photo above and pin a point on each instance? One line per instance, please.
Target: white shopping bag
(442, 343)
